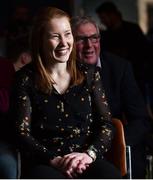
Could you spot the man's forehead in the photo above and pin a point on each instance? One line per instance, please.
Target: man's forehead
(87, 28)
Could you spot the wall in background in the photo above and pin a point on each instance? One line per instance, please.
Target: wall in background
(7, 7)
(138, 11)
(128, 8)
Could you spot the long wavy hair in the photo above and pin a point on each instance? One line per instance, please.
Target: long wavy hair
(44, 80)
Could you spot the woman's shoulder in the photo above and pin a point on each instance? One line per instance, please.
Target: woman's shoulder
(86, 68)
(27, 69)
(91, 72)
(26, 73)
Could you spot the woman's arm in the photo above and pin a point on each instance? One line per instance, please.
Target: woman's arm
(103, 128)
(22, 110)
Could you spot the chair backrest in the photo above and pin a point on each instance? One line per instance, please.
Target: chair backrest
(117, 153)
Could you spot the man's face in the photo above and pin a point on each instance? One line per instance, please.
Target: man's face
(106, 18)
(87, 43)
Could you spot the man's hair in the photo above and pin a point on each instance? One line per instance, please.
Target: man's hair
(17, 46)
(77, 21)
(107, 7)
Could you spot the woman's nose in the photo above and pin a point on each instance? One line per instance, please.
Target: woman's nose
(63, 41)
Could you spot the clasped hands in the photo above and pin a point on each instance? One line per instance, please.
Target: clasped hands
(72, 164)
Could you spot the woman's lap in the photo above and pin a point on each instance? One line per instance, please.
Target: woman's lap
(100, 169)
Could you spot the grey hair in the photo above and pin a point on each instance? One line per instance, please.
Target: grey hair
(78, 21)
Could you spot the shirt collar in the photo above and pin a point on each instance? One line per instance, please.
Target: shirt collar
(98, 63)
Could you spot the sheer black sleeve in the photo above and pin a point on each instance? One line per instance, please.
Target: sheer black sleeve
(22, 110)
(103, 128)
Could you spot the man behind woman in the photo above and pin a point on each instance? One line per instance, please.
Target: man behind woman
(63, 122)
(121, 89)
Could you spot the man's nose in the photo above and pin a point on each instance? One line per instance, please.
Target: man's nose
(88, 42)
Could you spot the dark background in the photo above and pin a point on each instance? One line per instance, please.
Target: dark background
(7, 7)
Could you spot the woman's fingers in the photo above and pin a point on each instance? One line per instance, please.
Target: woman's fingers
(74, 163)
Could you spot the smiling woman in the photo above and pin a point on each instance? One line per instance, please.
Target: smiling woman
(58, 134)
(60, 40)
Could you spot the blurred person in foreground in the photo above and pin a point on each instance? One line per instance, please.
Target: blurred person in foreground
(55, 107)
(18, 55)
(121, 90)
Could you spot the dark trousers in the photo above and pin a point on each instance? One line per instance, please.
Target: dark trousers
(100, 169)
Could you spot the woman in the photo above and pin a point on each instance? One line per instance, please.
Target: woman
(56, 102)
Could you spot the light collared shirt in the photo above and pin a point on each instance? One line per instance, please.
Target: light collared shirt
(98, 63)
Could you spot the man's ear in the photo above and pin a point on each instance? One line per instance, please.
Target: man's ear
(25, 58)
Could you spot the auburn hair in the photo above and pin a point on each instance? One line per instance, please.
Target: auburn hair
(44, 80)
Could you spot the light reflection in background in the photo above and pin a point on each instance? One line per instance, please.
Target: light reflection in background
(143, 14)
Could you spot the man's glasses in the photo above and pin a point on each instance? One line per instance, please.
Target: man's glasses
(94, 38)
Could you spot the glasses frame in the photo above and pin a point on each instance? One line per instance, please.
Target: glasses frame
(93, 38)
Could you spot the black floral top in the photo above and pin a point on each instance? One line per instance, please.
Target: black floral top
(57, 124)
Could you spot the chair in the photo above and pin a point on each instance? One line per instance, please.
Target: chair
(117, 153)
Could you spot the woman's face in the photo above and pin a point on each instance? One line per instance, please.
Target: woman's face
(58, 40)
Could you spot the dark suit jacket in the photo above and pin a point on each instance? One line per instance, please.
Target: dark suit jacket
(124, 97)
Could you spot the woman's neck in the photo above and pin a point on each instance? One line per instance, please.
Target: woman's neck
(59, 69)
(61, 77)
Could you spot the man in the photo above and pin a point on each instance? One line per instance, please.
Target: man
(120, 86)
(126, 40)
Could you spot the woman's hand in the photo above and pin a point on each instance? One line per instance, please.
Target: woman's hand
(74, 163)
(55, 162)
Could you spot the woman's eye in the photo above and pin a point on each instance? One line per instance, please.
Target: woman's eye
(52, 36)
(68, 34)
(55, 37)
